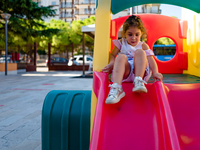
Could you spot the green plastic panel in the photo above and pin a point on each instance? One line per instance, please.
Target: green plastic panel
(119, 5)
(66, 120)
(96, 3)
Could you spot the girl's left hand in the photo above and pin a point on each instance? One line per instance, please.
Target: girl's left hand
(157, 76)
(108, 68)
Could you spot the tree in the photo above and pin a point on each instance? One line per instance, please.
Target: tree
(25, 19)
(165, 41)
(62, 39)
(70, 34)
(26, 25)
(89, 42)
(76, 34)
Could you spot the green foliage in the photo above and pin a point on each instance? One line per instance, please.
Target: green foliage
(41, 52)
(26, 21)
(88, 41)
(69, 34)
(174, 16)
(26, 25)
(164, 41)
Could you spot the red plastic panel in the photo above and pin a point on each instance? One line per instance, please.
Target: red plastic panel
(113, 29)
(158, 26)
(183, 60)
(184, 100)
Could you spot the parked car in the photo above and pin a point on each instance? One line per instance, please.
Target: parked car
(3, 59)
(78, 60)
(72, 61)
(57, 61)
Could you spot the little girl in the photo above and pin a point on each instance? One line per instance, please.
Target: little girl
(134, 61)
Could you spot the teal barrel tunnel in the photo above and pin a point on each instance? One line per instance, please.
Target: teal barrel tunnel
(66, 120)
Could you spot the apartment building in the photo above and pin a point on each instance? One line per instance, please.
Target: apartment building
(69, 10)
(84, 9)
(147, 8)
(54, 3)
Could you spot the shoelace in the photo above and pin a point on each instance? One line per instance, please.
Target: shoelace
(113, 89)
(139, 81)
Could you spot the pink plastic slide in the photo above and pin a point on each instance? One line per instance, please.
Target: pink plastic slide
(166, 118)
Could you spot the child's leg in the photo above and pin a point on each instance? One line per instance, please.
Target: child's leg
(140, 62)
(121, 69)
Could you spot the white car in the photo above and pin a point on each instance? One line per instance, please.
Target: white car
(78, 60)
(3, 59)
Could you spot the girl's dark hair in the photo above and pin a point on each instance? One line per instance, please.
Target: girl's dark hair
(134, 21)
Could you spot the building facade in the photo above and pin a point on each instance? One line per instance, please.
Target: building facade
(147, 8)
(69, 10)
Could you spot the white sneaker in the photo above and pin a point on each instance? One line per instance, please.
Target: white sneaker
(115, 94)
(139, 85)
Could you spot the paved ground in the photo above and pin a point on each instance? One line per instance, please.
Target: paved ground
(21, 100)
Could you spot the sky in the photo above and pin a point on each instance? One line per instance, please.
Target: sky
(170, 10)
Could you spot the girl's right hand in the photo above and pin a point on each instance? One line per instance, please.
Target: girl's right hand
(108, 68)
(157, 76)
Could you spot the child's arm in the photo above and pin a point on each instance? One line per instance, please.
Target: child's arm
(108, 68)
(152, 64)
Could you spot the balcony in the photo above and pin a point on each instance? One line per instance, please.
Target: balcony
(67, 6)
(85, 3)
(84, 13)
(67, 16)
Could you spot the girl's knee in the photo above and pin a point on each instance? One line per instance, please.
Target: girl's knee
(140, 52)
(121, 57)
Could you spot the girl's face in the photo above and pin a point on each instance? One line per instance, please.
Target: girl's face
(133, 35)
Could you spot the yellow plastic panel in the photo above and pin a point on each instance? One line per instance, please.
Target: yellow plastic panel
(102, 34)
(191, 45)
(101, 44)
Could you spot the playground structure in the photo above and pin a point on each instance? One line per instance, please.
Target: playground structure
(167, 117)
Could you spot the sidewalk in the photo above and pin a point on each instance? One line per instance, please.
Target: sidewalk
(21, 100)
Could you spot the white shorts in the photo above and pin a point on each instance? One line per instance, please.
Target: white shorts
(131, 76)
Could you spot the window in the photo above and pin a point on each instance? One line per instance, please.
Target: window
(63, 4)
(53, 3)
(86, 2)
(63, 14)
(139, 9)
(63, 60)
(154, 9)
(89, 59)
(69, 14)
(86, 10)
(148, 9)
(69, 4)
(56, 59)
(81, 58)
